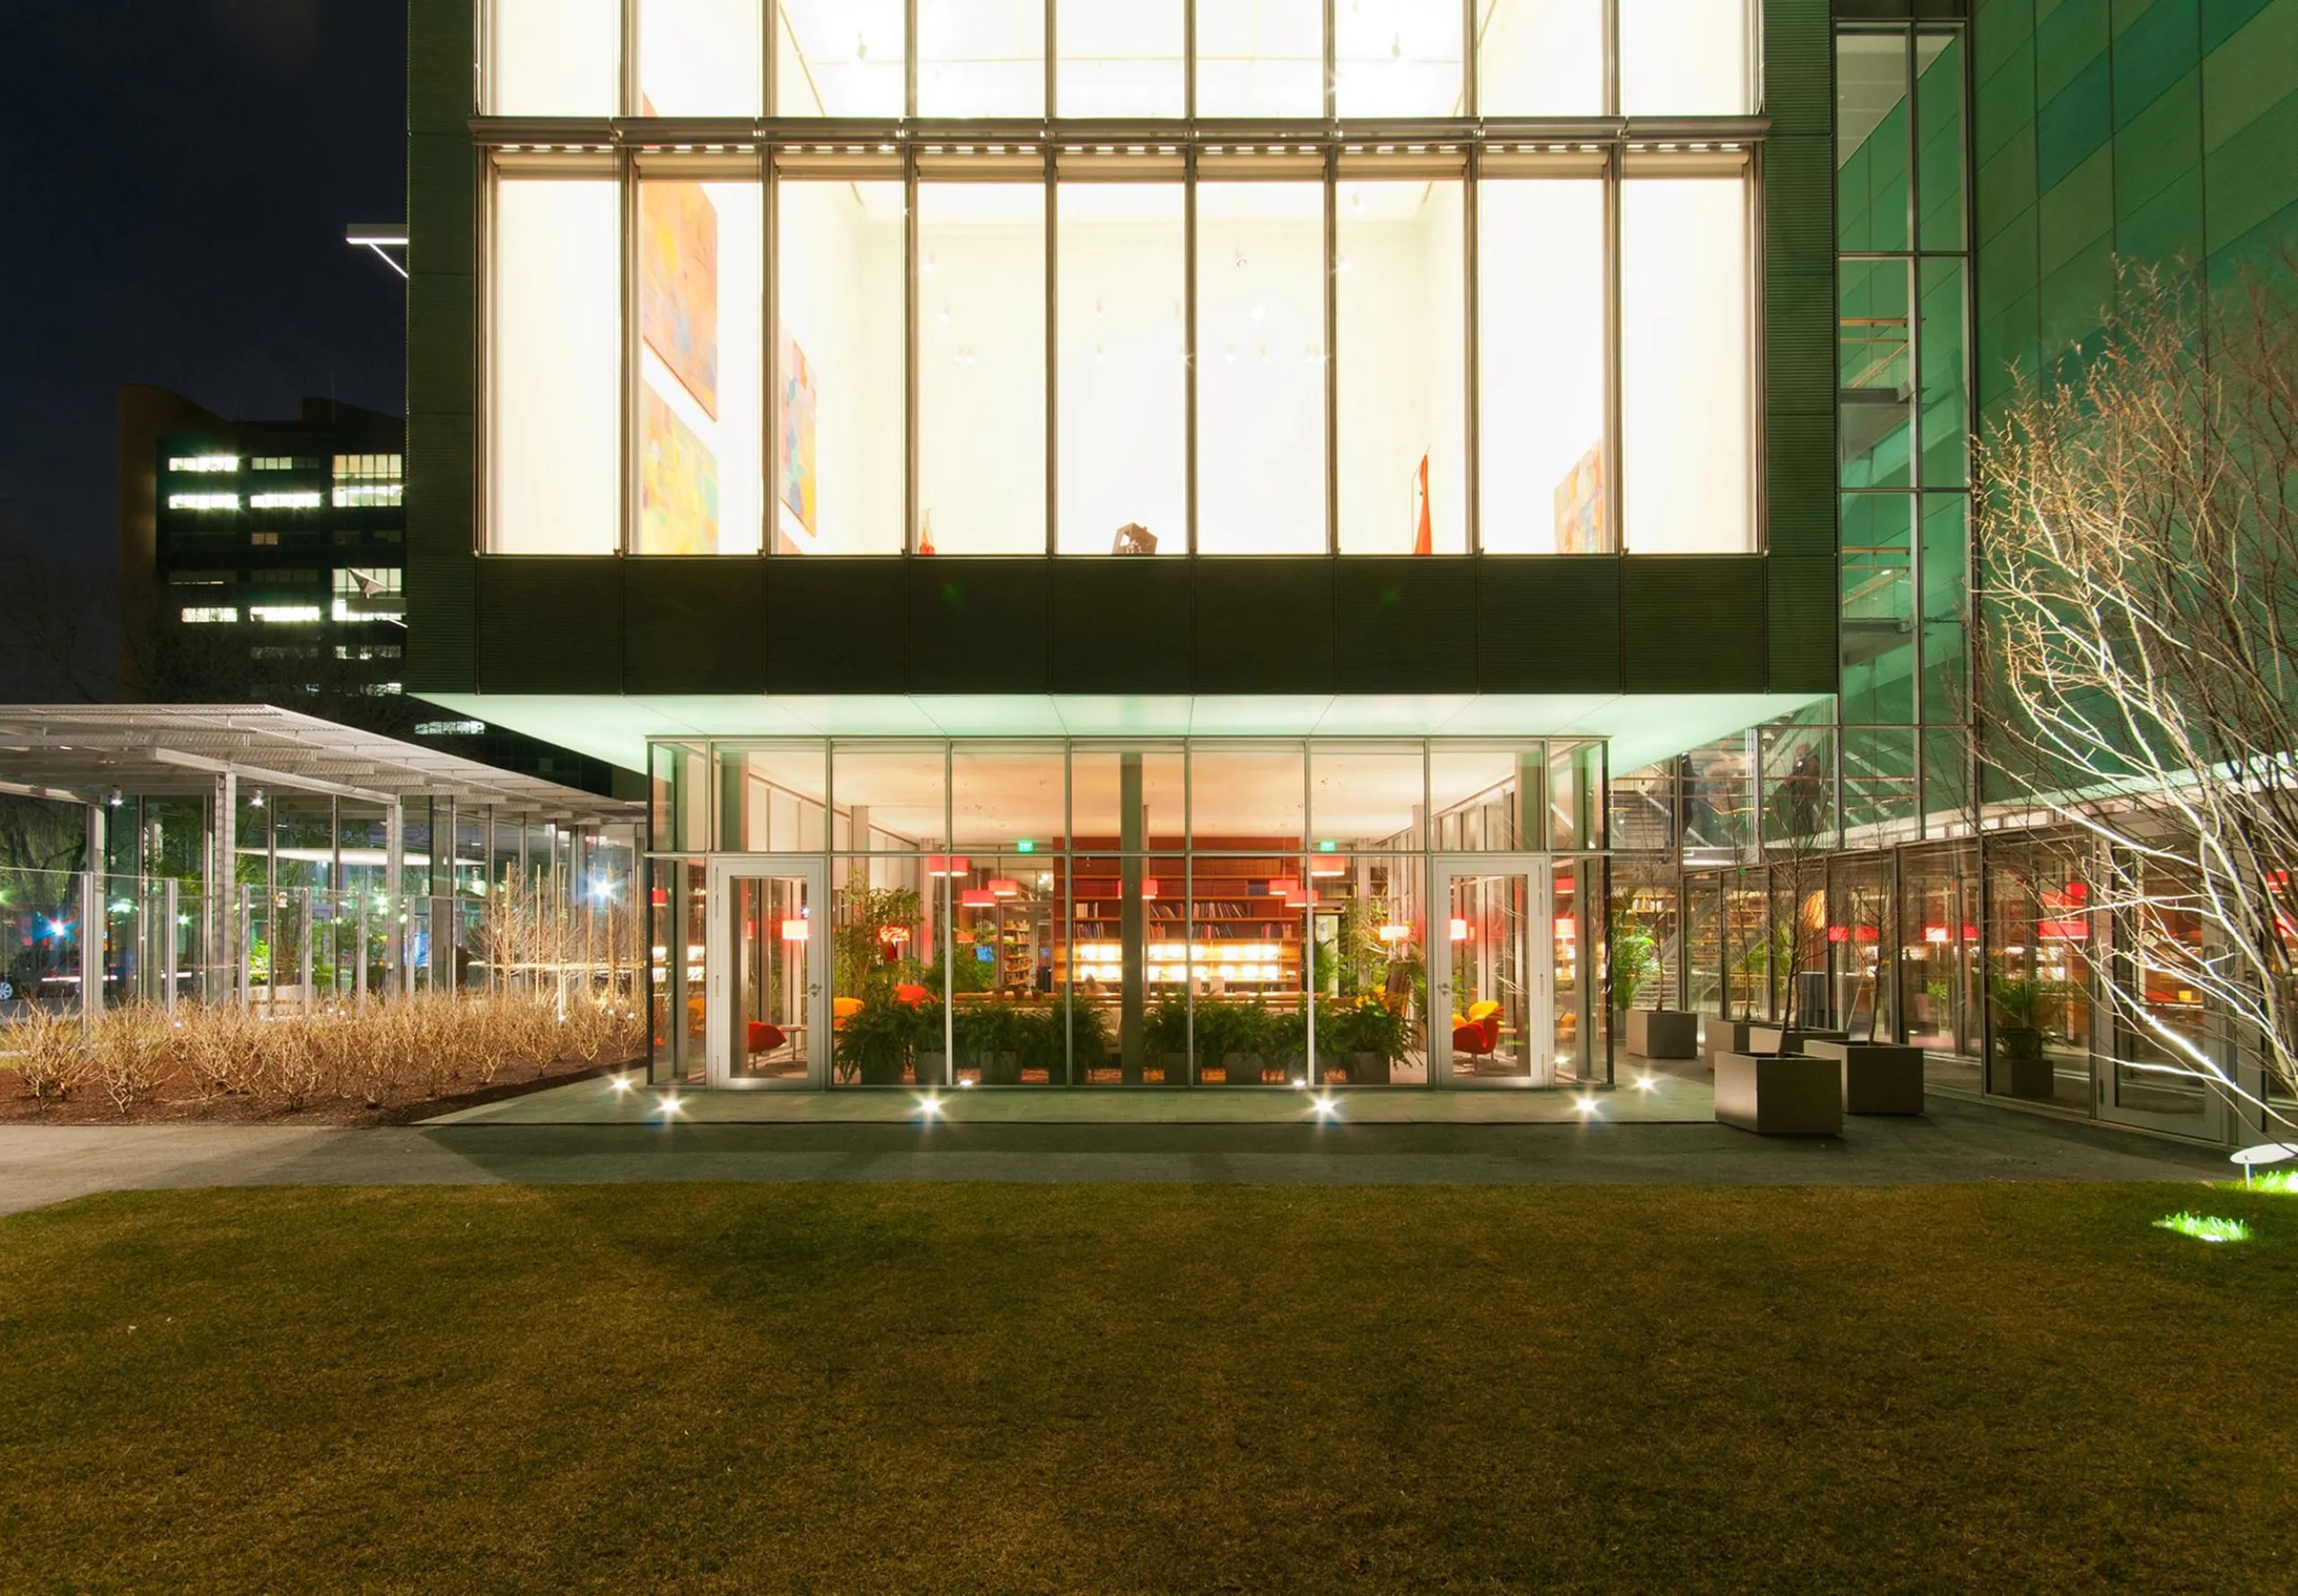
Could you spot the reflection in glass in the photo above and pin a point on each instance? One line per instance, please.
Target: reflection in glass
(1540, 57)
(772, 970)
(1124, 383)
(1118, 57)
(552, 467)
(1403, 385)
(1877, 628)
(839, 456)
(1540, 367)
(1870, 141)
(1939, 132)
(1945, 423)
(1259, 59)
(980, 57)
(1874, 374)
(1684, 361)
(701, 385)
(700, 59)
(1396, 59)
(1260, 368)
(982, 368)
(839, 58)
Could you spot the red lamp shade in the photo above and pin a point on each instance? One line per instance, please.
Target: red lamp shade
(948, 865)
(1005, 887)
(977, 898)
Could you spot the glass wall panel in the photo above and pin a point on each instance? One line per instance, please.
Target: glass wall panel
(1861, 985)
(839, 454)
(980, 57)
(887, 797)
(1874, 374)
(1365, 796)
(1396, 58)
(1540, 367)
(1124, 385)
(1540, 57)
(982, 368)
(1261, 281)
(1685, 365)
(552, 467)
(839, 58)
(1878, 626)
(1939, 135)
(1486, 799)
(1371, 974)
(1249, 915)
(1939, 964)
(771, 798)
(1245, 800)
(889, 913)
(554, 57)
(1260, 58)
(2039, 935)
(1109, 784)
(1403, 377)
(1946, 602)
(1945, 423)
(1704, 944)
(1128, 1014)
(701, 381)
(1684, 58)
(700, 59)
(1119, 58)
(1871, 139)
(1000, 797)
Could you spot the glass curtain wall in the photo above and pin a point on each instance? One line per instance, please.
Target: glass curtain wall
(927, 338)
(1162, 914)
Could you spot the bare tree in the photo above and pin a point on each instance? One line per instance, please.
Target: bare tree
(53, 626)
(2138, 641)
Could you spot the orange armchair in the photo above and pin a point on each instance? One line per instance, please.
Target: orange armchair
(1477, 1035)
(764, 1038)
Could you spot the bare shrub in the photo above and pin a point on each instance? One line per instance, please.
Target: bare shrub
(296, 1067)
(130, 1053)
(45, 1049)
(218, 1049)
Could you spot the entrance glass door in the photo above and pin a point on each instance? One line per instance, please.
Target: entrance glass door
(1492, 952)
(768, 1002)
(2150, 1077)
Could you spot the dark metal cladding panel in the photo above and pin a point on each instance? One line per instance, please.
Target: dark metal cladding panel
(978, 625)
(836, 625)
(694, 625)
(1549, 623)
(1263, 626)
(1804, 643)
(1405, 625)
(549, 625)
(1120, 625)
(1695, 623)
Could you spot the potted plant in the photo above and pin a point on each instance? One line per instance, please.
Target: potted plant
(2023, 1007)
(1229, 1038)
(1165, 1040)
(1363, 1038)
(991, 1037)
(930, 1065)
(876, 1042)
(1286, 1042)
(1071, 1029)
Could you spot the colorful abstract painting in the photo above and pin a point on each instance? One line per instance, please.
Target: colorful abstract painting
(1580, 505)
(678, 284)
(794, 448)
(678, 483)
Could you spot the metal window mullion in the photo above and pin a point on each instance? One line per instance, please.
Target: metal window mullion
(1188, 60)
(1472, 367)
(910, 59)
(1615, 477)
(627, 191)
(1188, 336)
(1068, 938)
(910, 230)
(1052, 329)
(1611, 57)
(1332, 334)
(770, 310)
(1331, 67)
(1471, 89)
(629, 88)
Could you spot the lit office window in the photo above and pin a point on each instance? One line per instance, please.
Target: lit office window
(980, 57)
(554, 57)
(1540, 367)
(982, 368)
(840, 449)
(1124, 373)
(1396, 59)
(1684, 363)
(1403, 383)
(1260, 58)
(206, 464)
(553, 465)
(203, 501)
(1684, 58)
(701, 377)
(1540, 58)
(1118, 57)
(839, 58)
(272, 462)
(369, 594)
(1260, 445)
(700, 59)
(286, 501)
(368, 480)
(209, 615)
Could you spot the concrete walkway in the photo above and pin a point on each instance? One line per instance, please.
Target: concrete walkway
(1956, 1142)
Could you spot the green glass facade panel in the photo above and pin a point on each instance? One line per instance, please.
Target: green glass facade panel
(2248, 75)
(1878, 778)
(2070, 37)
(1879, 627)
(1941, 338)
(1875, 381)
(1872, 180)
(2155, 51)
(1939, 141)
(2073, 124)
(2159, 145)
(2254, 174)
(1946, 582)
(2222, 20)
(2076, 212)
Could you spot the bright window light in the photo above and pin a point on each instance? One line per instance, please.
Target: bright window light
(203, 501)
(204, 464)
(206, 614)
(285, 614)
(285, 501)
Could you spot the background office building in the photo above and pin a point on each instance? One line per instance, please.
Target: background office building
(1190, 543)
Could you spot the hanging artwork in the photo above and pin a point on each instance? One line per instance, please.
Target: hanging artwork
(1423, 536)
(678, 498)
(1579, 517)
(794, 452)
(678, 284)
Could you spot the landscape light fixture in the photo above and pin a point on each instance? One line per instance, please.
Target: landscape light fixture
(1585, 1103)
(1325, 1106)
(930, 1107)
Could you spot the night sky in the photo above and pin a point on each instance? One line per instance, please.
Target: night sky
(180, 173)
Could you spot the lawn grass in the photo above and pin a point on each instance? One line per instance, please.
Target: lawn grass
(943, 1388)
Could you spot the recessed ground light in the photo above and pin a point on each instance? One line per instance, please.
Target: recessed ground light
(2204, 1227)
